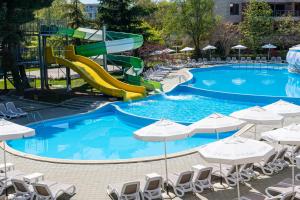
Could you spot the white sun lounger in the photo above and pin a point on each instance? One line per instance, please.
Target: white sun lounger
(152, 187)
(202, 179)
(267, 166)
(129, 190)
(181, 182)
(52, 190)
(10, 106)
(259, 196)
(5, 113)
(23, 189)
(228, 173)
(292, 151)
(247, 172)
(279, 161)
(282, 187)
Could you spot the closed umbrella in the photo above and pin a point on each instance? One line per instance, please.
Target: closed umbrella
(12, 131)
(216, 123)
(284, 108)
(269, 47)
(187, 49)
(288, 135)
(239, 47)
(163, 131)
(167, 50)
(209, 47)
(235, 151)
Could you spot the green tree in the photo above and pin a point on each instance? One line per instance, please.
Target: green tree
(257, 24)
(13, 14)
(194, 18)
(122, 15)
(74, 14)
(55, 12)
(287, 33)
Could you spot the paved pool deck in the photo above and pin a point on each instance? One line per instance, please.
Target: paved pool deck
(91, 179)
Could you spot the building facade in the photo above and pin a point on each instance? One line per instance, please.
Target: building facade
(231, 10)
(91, 10)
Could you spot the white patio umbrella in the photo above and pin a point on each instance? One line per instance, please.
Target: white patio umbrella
(258, 115)
(235, 151)
(216, 123)
(269, 47)
(12, 131)
(284, 108)
(288, 135)
(239, 47)
(186, 49)
(163, 131)
(209, 47)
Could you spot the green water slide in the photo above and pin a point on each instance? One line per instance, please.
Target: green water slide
(116, 42)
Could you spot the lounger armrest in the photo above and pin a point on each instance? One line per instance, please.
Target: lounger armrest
(275, 197)
(20, 110)
(297, 177)
(58, 193)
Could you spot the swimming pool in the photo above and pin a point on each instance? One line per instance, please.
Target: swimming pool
(244, 80)
(107, 133)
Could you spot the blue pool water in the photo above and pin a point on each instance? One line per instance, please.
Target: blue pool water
(107, 133)
(258, 81)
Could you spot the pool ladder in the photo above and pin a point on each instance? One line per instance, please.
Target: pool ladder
(35, 116)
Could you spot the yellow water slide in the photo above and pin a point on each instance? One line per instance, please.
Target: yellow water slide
(95, 75)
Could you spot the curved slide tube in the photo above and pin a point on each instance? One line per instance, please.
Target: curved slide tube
(95, 75)
(117, 42)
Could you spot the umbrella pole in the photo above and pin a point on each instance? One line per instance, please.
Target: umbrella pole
(5, 172)
(269, 54)
(166, 165)
(237, 181)
(293, 171)
(239, 54)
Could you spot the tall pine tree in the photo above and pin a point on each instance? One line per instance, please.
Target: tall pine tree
(121, 15)
(74, 14)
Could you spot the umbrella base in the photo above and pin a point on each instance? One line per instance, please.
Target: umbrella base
(221, 186)
(168, 195)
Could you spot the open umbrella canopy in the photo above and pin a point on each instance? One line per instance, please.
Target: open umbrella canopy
(235, 151)
(11, 131)
(216, 123)
(284, 108)
(287, 135)
(269, 46)
(239, 47)
(258, 115)
(209, 47)
(162, 130)
(187, 49)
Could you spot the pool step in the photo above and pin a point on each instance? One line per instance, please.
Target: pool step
(81, 103)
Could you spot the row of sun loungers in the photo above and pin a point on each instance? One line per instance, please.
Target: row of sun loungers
(9, 111)
(159, 72)
(231, 60)
(38, 189)
(199, 178)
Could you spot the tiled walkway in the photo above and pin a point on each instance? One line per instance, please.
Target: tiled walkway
(91, 180)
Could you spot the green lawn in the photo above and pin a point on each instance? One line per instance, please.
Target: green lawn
(32, 69)
(53, 83)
